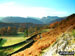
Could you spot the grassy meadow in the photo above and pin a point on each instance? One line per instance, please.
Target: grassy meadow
(11, 40)
(14, 39)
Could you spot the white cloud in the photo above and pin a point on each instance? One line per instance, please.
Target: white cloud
(11, 9)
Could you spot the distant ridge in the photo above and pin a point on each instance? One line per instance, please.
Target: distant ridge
(51, 19)
(21, 20)
(44, 20)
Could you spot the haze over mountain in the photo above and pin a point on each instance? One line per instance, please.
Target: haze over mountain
(51, 19)
(21, 20)
(44, 20)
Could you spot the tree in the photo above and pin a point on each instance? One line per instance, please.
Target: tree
(14, 31)
(30, 30)
(26, 33)
(21, 29)
(4, 30)
(9, 30)
(1, 32)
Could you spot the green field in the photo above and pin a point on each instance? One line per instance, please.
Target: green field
(45, 30)
(4, 52)
(11, 40)
(14, 39)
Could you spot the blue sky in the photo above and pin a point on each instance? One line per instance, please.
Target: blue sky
(36, 8)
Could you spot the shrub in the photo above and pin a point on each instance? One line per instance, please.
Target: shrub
(73, 33)
(2, 53)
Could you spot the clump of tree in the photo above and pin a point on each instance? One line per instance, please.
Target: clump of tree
(8, 31)
(11, 30)
(31, 31)
(3, 31)
(21, 29)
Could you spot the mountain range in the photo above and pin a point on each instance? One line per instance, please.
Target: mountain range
(51, 19)
(43, 20)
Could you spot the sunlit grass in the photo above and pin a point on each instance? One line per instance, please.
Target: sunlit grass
(10, 40)
(13, 39)
(10, 50)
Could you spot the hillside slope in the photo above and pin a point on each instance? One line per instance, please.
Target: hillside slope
(48, 38)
